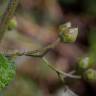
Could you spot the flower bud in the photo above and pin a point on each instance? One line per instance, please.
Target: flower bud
(85, 63)
(12, 24)
(90, 75)
(67, 33)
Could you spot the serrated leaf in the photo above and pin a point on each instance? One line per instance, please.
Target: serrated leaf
(7, 71)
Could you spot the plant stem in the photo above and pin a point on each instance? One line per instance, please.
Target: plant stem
(35, 53)
(59, 72)
(12, 4)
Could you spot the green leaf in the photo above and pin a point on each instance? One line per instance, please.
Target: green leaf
(7, 71)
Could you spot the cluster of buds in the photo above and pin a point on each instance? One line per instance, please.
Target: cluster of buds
(67, 33)
(85, 67)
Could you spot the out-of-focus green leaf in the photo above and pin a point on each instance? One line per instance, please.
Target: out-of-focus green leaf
(92, 41)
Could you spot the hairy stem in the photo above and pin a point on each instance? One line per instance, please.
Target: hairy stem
(7, 16)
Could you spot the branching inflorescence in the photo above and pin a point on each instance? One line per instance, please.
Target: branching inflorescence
(67, 34)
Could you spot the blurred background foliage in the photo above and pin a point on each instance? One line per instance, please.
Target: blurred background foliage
(37, 26)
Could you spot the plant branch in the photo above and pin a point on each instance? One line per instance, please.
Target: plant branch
(12, 4)
(41, 53)
(59, 72)
(35, 53)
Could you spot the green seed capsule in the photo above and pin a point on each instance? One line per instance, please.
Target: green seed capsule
(90, 75)
(68, 34)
